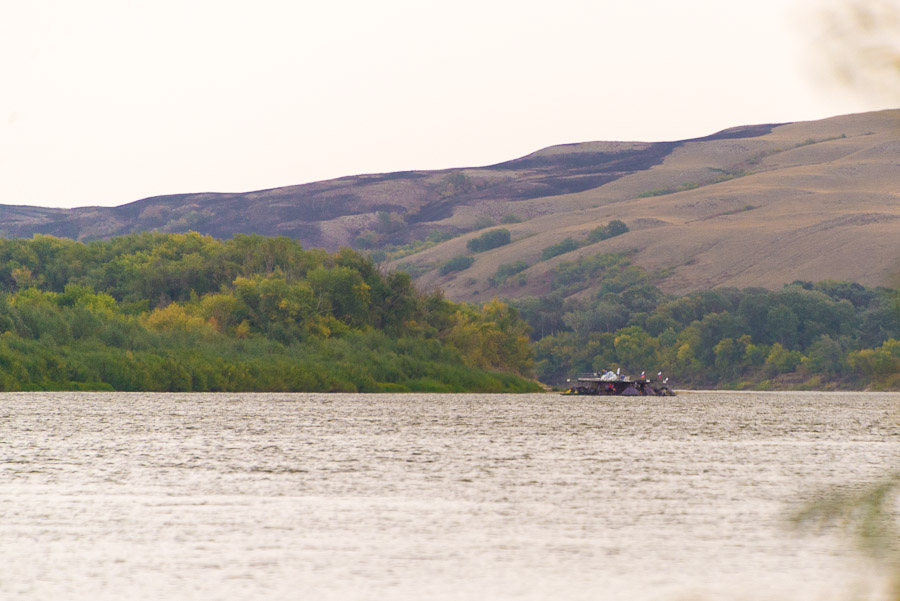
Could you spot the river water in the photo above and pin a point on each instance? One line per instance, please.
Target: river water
(432, 497)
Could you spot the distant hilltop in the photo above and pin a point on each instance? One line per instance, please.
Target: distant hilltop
(758, 205)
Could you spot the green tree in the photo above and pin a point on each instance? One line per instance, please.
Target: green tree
(825, 356)
(636, 350)
(782, 360)
(781, 326)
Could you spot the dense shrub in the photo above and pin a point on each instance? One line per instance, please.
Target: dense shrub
(506, 270)
(458, 263)
(603, 232)
(488, 240)
(561, 248)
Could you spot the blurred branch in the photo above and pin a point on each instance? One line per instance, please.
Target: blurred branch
(871, 515)
(859, 43)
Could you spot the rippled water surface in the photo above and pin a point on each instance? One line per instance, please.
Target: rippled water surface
(344, 497)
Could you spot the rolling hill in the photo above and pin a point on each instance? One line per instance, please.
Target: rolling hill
(747, 207)
(758, 205)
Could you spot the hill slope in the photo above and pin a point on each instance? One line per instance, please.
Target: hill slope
(811, 201)
(749, 206)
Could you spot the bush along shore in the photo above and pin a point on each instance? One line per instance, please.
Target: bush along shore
(825, 335)
(185, 312)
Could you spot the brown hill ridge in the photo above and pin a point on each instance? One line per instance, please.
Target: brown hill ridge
(750, 206)
(809, 201)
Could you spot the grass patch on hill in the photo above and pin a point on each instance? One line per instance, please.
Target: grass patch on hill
(724, 176)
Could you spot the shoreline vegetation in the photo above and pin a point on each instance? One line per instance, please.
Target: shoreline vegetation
(825, 335)
(187, 312)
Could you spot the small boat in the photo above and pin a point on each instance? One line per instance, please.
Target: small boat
(612, 384)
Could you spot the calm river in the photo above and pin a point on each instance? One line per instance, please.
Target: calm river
(432, 497)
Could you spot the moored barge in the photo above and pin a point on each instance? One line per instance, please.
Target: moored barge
(612, 384)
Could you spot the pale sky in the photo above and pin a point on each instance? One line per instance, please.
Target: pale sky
(104, 102)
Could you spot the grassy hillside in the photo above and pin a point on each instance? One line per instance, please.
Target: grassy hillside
(806, 201)
(759, 205)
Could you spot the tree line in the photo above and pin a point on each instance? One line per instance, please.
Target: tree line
(806, 335)
(189, 312)
(185, 312)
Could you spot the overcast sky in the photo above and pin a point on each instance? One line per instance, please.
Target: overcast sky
(105, 102)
